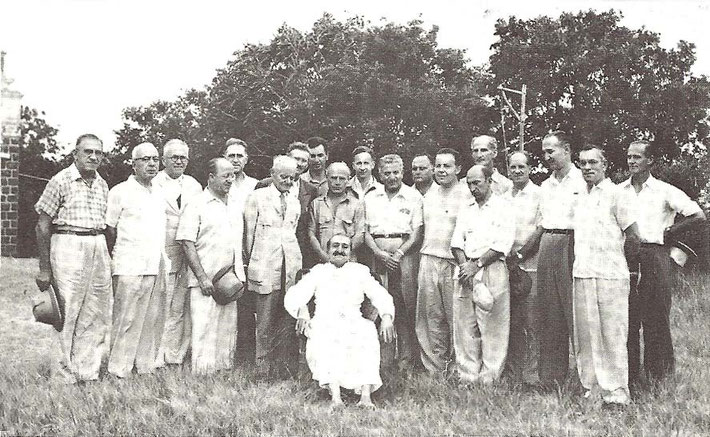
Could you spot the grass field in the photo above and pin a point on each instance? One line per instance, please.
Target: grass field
(173, 402)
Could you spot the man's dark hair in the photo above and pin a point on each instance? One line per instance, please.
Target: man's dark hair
(317, 141)
(88, 137)
(562, 137)
(362, 149)
(231, 142)
(450, 151)
(589, 147)
(327, 245)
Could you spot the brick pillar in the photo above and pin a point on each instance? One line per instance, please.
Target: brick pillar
(9, 162)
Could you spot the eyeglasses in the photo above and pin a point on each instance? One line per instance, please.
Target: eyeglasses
(177, 158)
(146, 159)
(420, 168)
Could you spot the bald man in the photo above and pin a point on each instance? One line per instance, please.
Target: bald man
(177, 190)
(135, 220)
(270, 219)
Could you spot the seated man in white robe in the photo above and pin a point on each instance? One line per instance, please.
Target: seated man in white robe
(342, 349)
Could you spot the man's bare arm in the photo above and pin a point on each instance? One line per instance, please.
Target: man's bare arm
(194, 262)
(43, 231)
(110, 238)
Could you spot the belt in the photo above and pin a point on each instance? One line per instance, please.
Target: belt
(651, 244)
(87, 233)
(390, 235)
(559, 231)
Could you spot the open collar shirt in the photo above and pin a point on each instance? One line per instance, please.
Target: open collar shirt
(440, 210)
(657, 205)
(358, 189)
(238, 193)
(71, 201)
(401, 214)
(559, 197)
(601, 216)
(327, 219)
(138, 214)
(483, 227)
(217, 234)
(525, 206)
(321, 186)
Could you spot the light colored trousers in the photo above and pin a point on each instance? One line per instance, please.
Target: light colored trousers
(81, 269)
(176, 335)
(214, 333)
(601, 323)
(138, 321)
(481, 337)
(434, 314)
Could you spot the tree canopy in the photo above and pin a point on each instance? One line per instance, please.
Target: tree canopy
(603, 83)
(388, 86)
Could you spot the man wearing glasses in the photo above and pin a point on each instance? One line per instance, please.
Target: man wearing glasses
(177, 190)
(73, 258)
(135, 220)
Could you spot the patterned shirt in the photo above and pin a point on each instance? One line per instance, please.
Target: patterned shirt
(525, 205)
(441, 208)
(483, 227)
(657, 205)
(558, 199)
(204, 223)
(601, 216)
(138, 214)
(401, 214)
(70, 200)
(326, 219)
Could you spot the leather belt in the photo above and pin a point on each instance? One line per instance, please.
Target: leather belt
(559, 231)
(390, 235)
(87, 233)
(643, 244)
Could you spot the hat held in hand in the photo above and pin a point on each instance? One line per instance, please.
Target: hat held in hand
(50, 308)
(227, 287)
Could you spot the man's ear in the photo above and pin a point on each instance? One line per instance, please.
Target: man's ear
(458, 169)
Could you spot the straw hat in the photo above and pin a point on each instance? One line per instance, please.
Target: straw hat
(227, 287)
(50, 308)
(680, 252)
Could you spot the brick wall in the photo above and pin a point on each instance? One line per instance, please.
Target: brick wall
(9, 184)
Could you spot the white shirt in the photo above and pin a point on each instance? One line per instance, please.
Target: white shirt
(483, 227)
(217, 235)
(657, 205)
(558, 199)
(525, 205)
(239, 192)
(138, 214)
(401, 214)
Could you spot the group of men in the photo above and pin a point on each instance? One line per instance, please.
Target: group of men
(144, 258)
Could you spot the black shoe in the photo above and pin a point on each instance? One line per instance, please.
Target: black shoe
(614, 407)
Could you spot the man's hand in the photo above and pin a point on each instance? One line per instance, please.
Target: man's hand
(206, 286)
(43, 279)
(302, 325)
(387, 328)
(467, 271)
(668, 235)
(391, 260)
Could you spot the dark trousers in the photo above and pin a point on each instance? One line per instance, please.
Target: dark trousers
(246, 328)
(649, 308)
(554, 287)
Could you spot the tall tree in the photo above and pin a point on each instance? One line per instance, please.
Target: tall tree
(602, 82)
(389, 86)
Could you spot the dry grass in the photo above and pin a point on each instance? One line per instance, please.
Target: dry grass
(173, 402)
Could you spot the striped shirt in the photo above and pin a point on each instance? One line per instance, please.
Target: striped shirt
(72, 201)
(601, 216)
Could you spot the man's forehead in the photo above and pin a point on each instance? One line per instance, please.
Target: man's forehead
(591, 154)
(445, 158)
(338, 171)
(224, 166)
(421, 160)
(90, 143)
(317, 149)
(176, 149)
(339, 239)
(236, 149)
(146, 151)
(362, 156)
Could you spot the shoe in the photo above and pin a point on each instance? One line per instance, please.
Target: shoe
(614, 407)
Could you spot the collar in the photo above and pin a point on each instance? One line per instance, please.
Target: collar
(349, 197)
(573, 172)
(527, 189)
(75, 175)
(274, 191)
(164, 176)
(604, 185)
(132, 179)
(209, 197)
(649, 183)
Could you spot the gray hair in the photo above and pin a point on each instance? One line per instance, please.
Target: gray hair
(141, 147)
(391, 159)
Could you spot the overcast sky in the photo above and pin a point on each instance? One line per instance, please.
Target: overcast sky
(83, 61)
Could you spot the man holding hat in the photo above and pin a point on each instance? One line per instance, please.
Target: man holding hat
(483, 236)
(212, 240)
(658, 204)
(177, 190)
(135, 221)
(73, 256)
